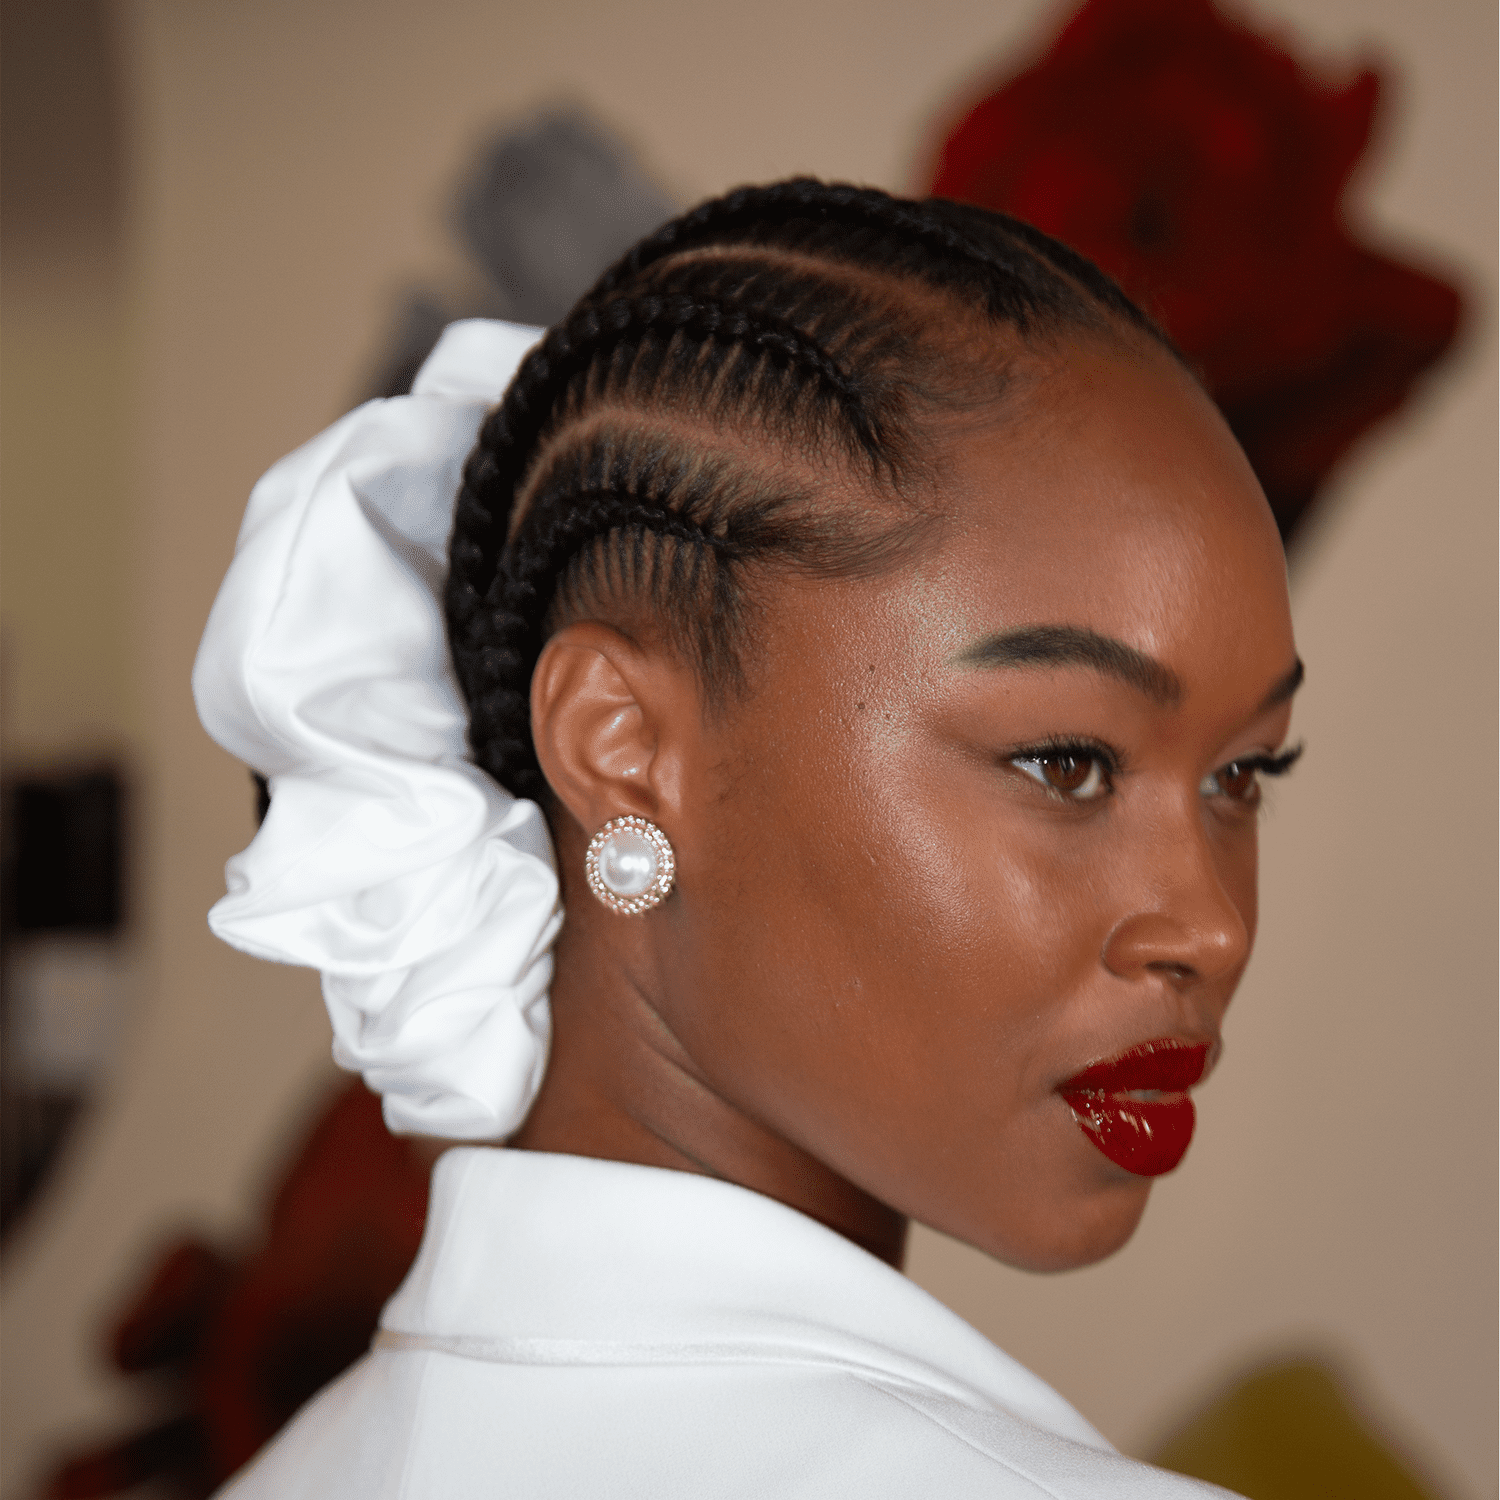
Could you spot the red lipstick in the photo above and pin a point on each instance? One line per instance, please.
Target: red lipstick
(1145, 1135)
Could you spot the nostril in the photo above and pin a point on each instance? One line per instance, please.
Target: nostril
(1172, 970)
(1163, 945)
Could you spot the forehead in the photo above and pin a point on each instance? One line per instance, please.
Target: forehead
(1108, 493)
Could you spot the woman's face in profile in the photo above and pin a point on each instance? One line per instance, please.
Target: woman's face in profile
(986, 820)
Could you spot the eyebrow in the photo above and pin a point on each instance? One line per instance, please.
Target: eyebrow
(1285, 688)
(1074, 646)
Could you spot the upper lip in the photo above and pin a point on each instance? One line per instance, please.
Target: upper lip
(1166, 1065)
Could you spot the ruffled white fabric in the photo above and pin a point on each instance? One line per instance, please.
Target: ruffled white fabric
(425, 893)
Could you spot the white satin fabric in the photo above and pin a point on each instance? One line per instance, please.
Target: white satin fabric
(425, 893)
(579, 1328)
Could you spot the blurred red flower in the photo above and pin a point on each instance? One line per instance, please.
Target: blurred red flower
(1205, 169)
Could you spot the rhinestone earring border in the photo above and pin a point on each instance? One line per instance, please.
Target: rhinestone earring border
(666, 867)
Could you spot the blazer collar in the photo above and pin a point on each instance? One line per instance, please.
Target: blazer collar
(531, 1257)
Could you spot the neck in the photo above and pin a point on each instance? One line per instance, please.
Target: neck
(620, 1086)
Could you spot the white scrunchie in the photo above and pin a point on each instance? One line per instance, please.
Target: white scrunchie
(425, 893)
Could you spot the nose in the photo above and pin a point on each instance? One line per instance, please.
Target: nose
(1184, 922)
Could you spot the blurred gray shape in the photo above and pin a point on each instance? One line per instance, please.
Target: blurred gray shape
(549, 205)
(420, 320)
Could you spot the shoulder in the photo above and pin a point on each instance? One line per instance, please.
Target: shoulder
(355, 1437)
(419, 1426)
(1036, 1461)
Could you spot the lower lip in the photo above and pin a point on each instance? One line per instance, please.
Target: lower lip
(1147, 1137)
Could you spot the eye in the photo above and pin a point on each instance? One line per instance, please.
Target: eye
(1237, 780)
(1240, 780)
(1072, 771)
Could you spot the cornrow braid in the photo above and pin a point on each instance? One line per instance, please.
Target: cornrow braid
(541, 555)
(946, 231)
(500, 676)
(673, 432)
(566, 352)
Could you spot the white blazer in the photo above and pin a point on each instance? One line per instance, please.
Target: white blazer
(589, 1329)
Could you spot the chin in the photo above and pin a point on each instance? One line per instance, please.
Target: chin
(1071, 1231)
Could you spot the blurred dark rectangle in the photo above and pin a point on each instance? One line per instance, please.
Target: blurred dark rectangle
(63, 862)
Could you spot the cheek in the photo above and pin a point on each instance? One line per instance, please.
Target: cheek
(1012, 917)
(892, 995)
(884, 942)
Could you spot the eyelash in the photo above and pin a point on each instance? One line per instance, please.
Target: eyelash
(1105, 762)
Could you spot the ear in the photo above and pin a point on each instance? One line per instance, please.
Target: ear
(613, 722)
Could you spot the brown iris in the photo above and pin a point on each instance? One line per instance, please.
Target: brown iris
(1238, 780)
(1067, 773)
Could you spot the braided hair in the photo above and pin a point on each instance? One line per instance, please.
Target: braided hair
(681, 424)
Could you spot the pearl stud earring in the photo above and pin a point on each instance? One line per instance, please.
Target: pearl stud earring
(630, 865)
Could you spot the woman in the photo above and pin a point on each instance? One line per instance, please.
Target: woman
(896, 639)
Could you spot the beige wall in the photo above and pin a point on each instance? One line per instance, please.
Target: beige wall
(290, 157)
(69, 681)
